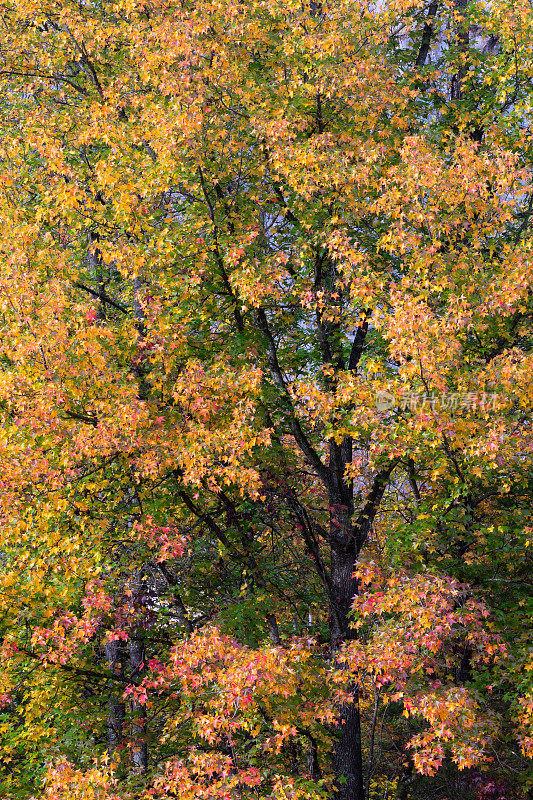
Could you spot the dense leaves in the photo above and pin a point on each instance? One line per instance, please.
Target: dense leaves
(265, 383)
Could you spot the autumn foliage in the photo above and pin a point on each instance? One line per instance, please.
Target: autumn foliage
(266, 378)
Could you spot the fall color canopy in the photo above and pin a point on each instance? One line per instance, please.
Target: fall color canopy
(266, 379)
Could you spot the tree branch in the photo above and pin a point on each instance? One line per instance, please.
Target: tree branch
(173, 584)
(358, 343)
(237, 314)
(88, 673)
(277, 376)
(101, 295)
(427, 33)
(363, 522)
(82, 417)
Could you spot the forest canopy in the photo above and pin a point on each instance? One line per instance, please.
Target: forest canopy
(266, 378)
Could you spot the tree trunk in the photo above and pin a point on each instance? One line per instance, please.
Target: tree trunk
(117, 707)
(347, 753)
(140, 747)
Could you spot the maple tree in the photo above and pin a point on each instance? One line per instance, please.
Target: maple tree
(266, 384)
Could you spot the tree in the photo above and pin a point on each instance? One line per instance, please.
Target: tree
(266, 348)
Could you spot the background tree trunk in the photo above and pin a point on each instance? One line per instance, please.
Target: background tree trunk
(117, 708)
(140, 746)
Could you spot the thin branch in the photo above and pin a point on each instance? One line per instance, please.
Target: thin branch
(89, 673)
(277, 376)
(237, 314)
(82, 417)
(101, 295)
(412, 481)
